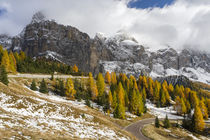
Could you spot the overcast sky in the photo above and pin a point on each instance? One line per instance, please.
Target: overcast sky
(179, 24)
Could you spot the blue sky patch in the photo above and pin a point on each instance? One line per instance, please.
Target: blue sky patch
(2, 11)
(144, 4)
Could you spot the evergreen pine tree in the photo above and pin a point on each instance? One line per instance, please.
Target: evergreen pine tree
(52, 76)
(43, 87)
(166, 122)
(33, 85)
(114, 102)
(157, 123)
(3, 75)
(119, 111)
(61, 88)
(87, 102)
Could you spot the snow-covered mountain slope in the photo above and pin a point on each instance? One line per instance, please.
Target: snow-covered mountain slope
(6, 41)
(25, 114)
(131, 58)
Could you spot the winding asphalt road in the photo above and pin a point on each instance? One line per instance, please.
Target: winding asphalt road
(136, 128)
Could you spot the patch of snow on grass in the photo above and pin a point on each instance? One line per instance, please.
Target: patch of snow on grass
(162, 112)
(45, 116)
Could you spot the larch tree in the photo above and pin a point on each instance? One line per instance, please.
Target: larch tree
(187, 93)
(75, 68)
(199, 123)
(133, 103)
(157, 91)
(100, 84)
(12, 62)
(22, 55)
(110, 98)
(203, 109)
(171, 91)
(144, 82)
(165, 92)
(178, 106)
(163, 98)
(101, 89)
(140, 104)
(113, 78)
(208, 106)
(194, 99)
(70, 91)
(183, 106)
(5, 61)
(121, 94)
(140, 82)
(108, 78)
(144, 95)
(92, 88)
(150, 88)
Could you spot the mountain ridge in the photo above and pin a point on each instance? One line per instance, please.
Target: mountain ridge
(120, 52)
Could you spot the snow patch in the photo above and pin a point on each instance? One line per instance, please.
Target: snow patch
(162, 112)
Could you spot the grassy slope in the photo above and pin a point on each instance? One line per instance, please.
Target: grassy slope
(16, 125)
(172, 133)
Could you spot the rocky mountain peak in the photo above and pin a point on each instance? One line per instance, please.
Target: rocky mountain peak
(119, 52)
(38, 17)
(121, 36)
(5, 41)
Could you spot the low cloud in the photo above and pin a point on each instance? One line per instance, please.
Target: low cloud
(183, 24)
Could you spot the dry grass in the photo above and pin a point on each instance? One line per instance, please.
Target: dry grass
(161, 133)
(17, 89)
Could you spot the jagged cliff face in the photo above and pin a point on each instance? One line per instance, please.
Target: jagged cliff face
(119, 53)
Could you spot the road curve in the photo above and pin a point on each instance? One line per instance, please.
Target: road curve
(136, 128)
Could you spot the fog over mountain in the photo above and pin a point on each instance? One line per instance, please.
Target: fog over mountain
(184, 24)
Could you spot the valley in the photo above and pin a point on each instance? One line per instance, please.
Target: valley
(57, 82)
(50, 116)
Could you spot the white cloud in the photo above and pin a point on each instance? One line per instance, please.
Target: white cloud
(184, 24)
